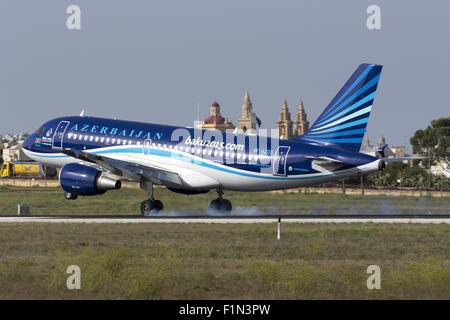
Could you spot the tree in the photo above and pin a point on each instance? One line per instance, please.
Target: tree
(434, 139)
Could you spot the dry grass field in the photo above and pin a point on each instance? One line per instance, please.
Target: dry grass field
(224, 261)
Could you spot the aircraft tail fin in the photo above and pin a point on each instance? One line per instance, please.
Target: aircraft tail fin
(343, 122)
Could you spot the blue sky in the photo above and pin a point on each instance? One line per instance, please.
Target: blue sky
(154, 61)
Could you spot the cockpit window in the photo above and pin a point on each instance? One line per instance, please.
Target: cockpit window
(40, 131)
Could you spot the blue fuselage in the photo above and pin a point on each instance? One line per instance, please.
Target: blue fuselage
(235, 161)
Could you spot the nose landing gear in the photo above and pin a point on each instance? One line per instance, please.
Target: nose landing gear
(220, 204)
(70, 195)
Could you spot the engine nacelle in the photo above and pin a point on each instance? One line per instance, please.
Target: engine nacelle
(86, 181)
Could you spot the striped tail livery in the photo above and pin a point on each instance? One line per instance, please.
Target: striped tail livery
(343, 123)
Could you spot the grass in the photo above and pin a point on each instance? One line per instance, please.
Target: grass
(44, 201)
(224, 261)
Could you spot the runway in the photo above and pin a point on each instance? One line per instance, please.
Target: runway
(421, 219)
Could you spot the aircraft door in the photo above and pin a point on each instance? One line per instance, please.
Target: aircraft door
(57, 142)
(279, 161)
(146, 146)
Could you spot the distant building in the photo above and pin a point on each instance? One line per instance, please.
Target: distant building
(248, 122)
(398, 151)
(11, 151)
(14, 153)
(366, 143)
(389, 152)
(288, 129)
(11, 148)
(441, 169)
(301, 124)
(215, 120)
(285, 124)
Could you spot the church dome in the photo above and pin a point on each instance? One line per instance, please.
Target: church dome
(215, 116)
(215, 119)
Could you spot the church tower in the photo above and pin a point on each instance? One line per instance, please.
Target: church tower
(301, 124)
(366, 143)
(215, 120)
(285, 123)
(247, 122)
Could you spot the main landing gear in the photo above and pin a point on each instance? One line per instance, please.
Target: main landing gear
(220, 204)
(151, 204)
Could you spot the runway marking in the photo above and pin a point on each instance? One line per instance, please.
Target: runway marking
(43, 219)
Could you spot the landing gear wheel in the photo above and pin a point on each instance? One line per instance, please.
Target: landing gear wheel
(148, 205)
(227, 205)
(215, 205)
(158, 205)
(70, 196)
(222, 205)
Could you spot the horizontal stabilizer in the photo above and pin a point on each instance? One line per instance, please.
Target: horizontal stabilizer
(378, 150)
(402, 159)
(327, 164)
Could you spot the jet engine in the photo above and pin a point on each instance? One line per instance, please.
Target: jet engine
(78, 179)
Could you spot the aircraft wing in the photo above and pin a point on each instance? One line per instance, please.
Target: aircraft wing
(130, 170)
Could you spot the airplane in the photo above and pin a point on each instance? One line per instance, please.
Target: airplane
(96, 154)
